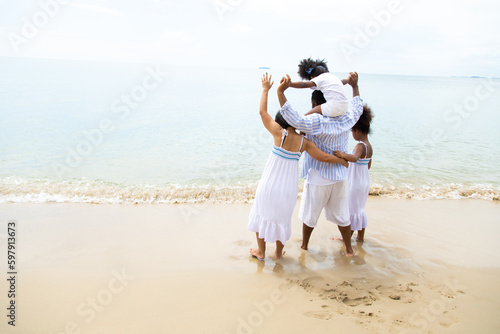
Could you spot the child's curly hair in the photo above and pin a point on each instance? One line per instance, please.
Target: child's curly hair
(363, 124)
(309, 68)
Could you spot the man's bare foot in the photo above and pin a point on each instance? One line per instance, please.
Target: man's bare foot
(279, 256)
(257, 253)
(347, 254)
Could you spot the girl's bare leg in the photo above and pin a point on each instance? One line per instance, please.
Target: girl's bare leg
(279, 250)
(361, 235)
(260, 252)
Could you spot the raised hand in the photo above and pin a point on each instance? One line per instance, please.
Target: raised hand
(266, 82)
(353, 79)
(284, 83)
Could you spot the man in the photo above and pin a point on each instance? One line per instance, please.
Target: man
(325, 184)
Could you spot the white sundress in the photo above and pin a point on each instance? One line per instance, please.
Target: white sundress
(276, 195)
(359, 188)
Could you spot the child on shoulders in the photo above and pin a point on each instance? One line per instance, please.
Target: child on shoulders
(318, 78)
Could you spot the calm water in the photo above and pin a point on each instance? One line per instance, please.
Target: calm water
(105, 132)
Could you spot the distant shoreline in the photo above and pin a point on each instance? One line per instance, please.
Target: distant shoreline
(138, 63)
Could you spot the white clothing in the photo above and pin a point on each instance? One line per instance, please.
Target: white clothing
(276, 195)
(328, 133)
(314, 177)
(332, 88)
(359, 188)
(334, 108)
(333, 198)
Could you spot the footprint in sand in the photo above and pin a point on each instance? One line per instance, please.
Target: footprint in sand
(403, 293)
(365, 300)
(349, 298)
(311, 284)
(323, 315)
(349, 295)
(312, 280)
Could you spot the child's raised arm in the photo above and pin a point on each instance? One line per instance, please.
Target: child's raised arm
(302, 84)
(267, 120)
(319, 155)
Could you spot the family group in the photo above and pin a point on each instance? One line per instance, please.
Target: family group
(335, 181)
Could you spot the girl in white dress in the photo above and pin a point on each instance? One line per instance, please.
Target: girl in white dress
(276, 195)
(360, 162)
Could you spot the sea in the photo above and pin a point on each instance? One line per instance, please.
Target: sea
(104, 132)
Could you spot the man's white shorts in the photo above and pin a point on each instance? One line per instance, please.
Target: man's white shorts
(333, 198)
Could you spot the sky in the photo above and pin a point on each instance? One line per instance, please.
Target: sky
(401, 37)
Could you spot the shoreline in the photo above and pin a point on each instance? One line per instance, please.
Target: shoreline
(186, 268)
(18, 190)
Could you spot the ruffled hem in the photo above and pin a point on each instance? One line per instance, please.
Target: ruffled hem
(358, 221)
(269, 230)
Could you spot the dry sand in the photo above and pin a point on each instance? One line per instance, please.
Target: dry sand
(426, 266)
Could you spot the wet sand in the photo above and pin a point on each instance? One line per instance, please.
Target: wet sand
(426, 266)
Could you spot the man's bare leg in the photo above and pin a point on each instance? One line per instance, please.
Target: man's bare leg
(260, 252)
(306, 235)
(346, 235)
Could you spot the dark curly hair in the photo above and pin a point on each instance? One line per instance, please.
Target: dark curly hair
(317, 97)
(363, 124)
(309, 68)
(281, 121)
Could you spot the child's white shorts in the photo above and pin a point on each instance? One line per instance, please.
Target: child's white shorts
(333, 198)
(334, 108)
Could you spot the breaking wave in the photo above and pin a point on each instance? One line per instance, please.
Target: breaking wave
(17, 190)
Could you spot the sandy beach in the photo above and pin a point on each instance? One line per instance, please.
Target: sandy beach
(426, 266)
(136, 135)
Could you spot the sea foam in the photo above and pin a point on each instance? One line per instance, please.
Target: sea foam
(17, 190)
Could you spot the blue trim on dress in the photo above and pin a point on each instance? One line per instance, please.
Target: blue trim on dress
(363, 161)
(286, 154)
